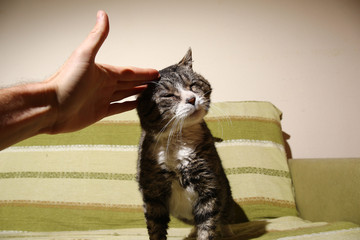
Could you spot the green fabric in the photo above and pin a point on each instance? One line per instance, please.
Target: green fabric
(336, 194)
(267, 210)
(321, 230)
(74, 175)
(42, 218)
(108, 133)
(102, 133)
(86, 180)
(288, 227)
(255, 170)
(246, 129)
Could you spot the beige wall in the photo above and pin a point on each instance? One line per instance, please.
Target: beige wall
(303, 56)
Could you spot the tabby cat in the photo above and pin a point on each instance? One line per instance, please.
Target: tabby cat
(179, 169)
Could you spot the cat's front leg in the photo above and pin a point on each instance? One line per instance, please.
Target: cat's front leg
(206, 230)
(157, 219)
(206, 215)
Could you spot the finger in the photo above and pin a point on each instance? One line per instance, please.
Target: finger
(97, 36)
(123, 74)
(139, 74)
(116, 108)
(119, 95)
(128, 85)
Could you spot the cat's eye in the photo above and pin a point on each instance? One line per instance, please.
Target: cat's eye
(169, 95)
(193, 87)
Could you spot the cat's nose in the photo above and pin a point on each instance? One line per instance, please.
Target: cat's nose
(191, 100)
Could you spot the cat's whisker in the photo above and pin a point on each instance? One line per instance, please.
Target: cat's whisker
(181, 128)
(206, 93)
(220, 118)
(162, 131)
(172, 132)
(223, 114)
(153, 82)
(167, 124)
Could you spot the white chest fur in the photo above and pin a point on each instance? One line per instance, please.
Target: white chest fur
(181, 201)
(173, 155)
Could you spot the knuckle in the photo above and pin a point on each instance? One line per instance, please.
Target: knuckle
(128, 73)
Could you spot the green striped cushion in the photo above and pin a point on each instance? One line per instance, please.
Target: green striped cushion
(86, 180)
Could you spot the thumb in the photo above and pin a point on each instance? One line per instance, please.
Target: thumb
(97, 36)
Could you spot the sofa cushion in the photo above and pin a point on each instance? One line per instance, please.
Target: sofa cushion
(86, 180)
(284, 228)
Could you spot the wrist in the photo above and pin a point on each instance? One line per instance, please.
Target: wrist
(26, 111)
(48, 106)
(39, 108)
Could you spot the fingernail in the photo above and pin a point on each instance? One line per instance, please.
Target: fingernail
(100, 15)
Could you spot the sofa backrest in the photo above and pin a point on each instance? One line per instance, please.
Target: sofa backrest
(86, 179)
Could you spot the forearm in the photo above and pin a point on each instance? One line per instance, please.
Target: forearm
(25, 111)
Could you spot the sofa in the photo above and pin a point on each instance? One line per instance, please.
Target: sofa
(82, 185)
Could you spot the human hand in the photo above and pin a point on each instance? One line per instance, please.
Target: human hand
(85, 91)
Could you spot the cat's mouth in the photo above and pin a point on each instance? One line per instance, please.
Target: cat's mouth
(193, 114)
(197, 113)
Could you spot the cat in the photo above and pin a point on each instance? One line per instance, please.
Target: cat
(179, 170)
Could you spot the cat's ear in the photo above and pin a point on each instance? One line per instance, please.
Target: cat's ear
(187, 59)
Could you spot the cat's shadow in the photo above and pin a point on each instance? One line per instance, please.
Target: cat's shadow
(244, 231)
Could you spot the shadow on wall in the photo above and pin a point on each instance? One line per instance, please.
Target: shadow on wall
(286, 145)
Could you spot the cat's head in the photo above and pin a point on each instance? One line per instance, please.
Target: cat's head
(181, 97)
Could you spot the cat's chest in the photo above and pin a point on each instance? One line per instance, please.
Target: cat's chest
(178, 156)
(182, 197)
(175, 157)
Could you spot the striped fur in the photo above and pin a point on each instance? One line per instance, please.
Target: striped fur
(179, 169)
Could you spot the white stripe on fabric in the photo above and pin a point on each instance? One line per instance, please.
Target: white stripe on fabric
(116, 148)
(61, 148)
(249, 142)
